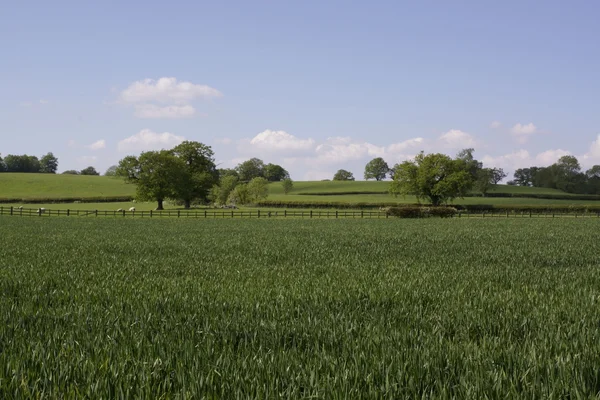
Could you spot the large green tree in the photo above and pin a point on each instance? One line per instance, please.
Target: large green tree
(23, 163)
(156, 174)
(258, 189)
(89, 171)
(49, 164)
(485, 180)
(2, 166)
(434, 177)
(252, 168)
(220, 193)
(343, 175)
(199, 173)
(275, 173)
(376, 169)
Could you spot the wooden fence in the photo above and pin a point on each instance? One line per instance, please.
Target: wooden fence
(215, 214)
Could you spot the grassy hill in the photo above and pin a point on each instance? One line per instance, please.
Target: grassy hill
(31, 186)
(26, 187)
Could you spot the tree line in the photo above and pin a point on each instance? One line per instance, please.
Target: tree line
(188, 174)
(566, 174)
(25, 163)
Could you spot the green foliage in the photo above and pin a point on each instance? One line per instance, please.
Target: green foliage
(239, 195)
(343, 175)
(89, 171)
(70, 172)
(223, 172)
(376, 169)
(197, 173)
(156, 174)
(405, 212)
(111, 171)
(222, 191)
(258, 189)
(250, 169)
(485, 180)
(497, 175)
(275, 173)
(287, 185)
(2, 165)
(49, 164)
(435, 177)
(23, 163)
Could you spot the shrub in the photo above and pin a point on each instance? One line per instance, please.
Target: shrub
(405, 212)
(442, 212)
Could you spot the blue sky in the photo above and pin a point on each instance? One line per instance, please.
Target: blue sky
(312, 85)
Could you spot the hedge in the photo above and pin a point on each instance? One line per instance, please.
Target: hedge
(547, 196)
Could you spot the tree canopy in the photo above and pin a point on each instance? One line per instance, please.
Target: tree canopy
(434, 177)
(199, 172)
(252, 168)
(275, 173)
(376, 169)
(343, 175)
(49, 164)
(89, 171)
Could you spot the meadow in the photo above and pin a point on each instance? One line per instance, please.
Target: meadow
(464, 308)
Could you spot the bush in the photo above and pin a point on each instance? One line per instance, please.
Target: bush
(442, 212)
(405, 212)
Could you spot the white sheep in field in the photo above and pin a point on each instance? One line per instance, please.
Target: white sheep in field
(20, 207)
(132, 209)
(120, 210)
(41, 210)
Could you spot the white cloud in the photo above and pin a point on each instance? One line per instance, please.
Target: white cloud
(406, 145)
(42, 101)
(97, 145)
(549, 157)
(154, 111)
(280, 141)
(455, 139)
(522, 132)
(148, 140)
(166, 90)
(593, 155)
(342, 149)
(495, 124)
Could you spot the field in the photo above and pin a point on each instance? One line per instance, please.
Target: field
(299, 308)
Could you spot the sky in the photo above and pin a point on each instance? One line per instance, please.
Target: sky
(315, 86)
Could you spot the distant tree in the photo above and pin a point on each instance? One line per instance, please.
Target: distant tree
(156, 174)
(435, 177)
(288, 185)
(485, 180)
(511, 183)
(376, 169)
(48, 164)
(70, 172)
(258, 189)
(593, 179)
(111, 171)
(275, 173)
(2, 166)
(89, 171)
(199, 173)
(343, 175)
(23, 163)
(497, 175)
(253, 168)
(239, 195)
(223, 172)
(222, 191)
(523, 177)
(471, 165)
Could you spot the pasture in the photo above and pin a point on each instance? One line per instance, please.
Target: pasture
(465, 308)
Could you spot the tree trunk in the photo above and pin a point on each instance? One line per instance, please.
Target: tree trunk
(187, 204)
(160, 204)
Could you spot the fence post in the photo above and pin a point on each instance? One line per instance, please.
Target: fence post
(258, 213)
(11, 210)
(68, 212)
(362, 214)
(96, 212)
(178, 213)
(529, 213)
(285, 214)
(204, 213)
(310, 213)
(336, 214)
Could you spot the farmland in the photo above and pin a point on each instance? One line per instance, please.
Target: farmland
(465, 308)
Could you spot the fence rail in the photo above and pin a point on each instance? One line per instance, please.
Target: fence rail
(216, 214)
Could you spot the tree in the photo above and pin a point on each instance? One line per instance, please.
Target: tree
(568, 175)
(70, 172)
(497, 175)
(523, 177)
(222, 191)
(48, 164)
(2, 166)
(89, 171)
(253, 168)
(275, 173)
(288, 185)
(24, 163)
(376, 169)
(258, 189)
(223, 172)
(471, 165)
(343, 175)
(156, 174)
(435, 177)
(239, 195)
(199, 173)
(111, 171)
(593, 179)
(485, 180)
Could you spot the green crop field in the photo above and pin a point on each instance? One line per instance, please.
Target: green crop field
(460, 308)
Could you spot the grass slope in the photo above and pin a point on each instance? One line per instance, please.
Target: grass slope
(459, 308)
(14, 185)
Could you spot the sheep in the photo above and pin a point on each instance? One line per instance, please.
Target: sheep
(20, 207)
(132, 209)
(41, 210)
(120, 210)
